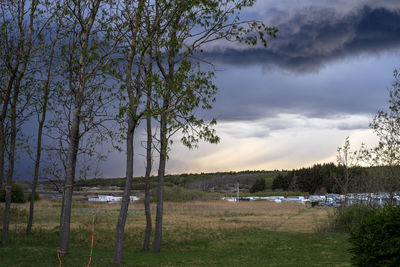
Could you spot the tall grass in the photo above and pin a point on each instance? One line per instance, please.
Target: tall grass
(196, 233)
(345, 219)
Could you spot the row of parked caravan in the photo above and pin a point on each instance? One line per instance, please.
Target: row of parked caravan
(329, 199)
(110, 199)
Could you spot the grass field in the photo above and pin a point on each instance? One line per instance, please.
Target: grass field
(214, 233)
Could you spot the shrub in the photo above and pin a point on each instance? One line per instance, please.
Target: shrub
(282, 181)
(258, 186)
(17, 194)
(314, 203)
(345, 219)
(180, 194)
(273, 193)
(37, 196)
(376, 241)
(351, 217)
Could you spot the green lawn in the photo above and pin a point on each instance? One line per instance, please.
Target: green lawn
(184, 247)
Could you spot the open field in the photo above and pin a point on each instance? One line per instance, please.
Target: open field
(215, 233)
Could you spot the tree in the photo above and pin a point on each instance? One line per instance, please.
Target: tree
(133, 19)
(184, 86)
(149, 149)
(349, 160)
(144, 21)
(282, 181)
(89, 27)
(375, 242)
(15, 55)
(45, 85)
(386, 125)
(258, 186)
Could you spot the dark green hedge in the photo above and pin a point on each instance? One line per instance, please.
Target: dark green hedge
(17, 194)
(376, 242)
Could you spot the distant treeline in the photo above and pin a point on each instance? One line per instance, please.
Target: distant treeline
(328, 178)
(189, 180)
(320, 178)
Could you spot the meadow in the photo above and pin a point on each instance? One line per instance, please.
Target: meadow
(197, 233)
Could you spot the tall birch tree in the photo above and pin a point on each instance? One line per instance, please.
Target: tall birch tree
(133, 15)
(185, 86)
(45, 85)
(90, 25)
(18, 18)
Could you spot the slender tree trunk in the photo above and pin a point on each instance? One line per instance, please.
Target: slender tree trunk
(120, 230)
(6, 219)
(119, 238)
(169, 78)
(36, 174)
(62, 208)
(146, 242)
(1, 164)
(160, 187)
(3, 137)
(39, 140)
(3, 116)
(132, 123)
(346, 184)
(69, 180)
(2, 152)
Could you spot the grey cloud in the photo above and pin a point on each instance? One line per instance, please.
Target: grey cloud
(353, 126)
(314, 37)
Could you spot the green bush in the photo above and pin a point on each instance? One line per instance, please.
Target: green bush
(315, 203)
(351, 217)
(281, 182)
(258, 186)
(376, 241)
(272, 193)
(37, 196)
(180, 194)
(17, 194)
(345, 219)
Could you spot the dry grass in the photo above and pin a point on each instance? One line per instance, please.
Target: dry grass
(222, 214)
(289, 217)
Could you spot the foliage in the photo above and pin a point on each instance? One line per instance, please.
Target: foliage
(376, 242)
(351, 217)
(187, 180)
(345, 218)
(274, 193)
(324, 178)
(37, 196)
(282, 181)
(386, 125)
(348, 160)
(316, 179)
(179, 194)
(259, 185)
(17, 194)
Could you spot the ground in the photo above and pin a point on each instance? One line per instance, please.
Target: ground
(212, 233)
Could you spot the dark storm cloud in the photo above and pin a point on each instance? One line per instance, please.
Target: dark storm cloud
(312, 37)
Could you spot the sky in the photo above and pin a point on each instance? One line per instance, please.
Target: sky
(292, 104)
